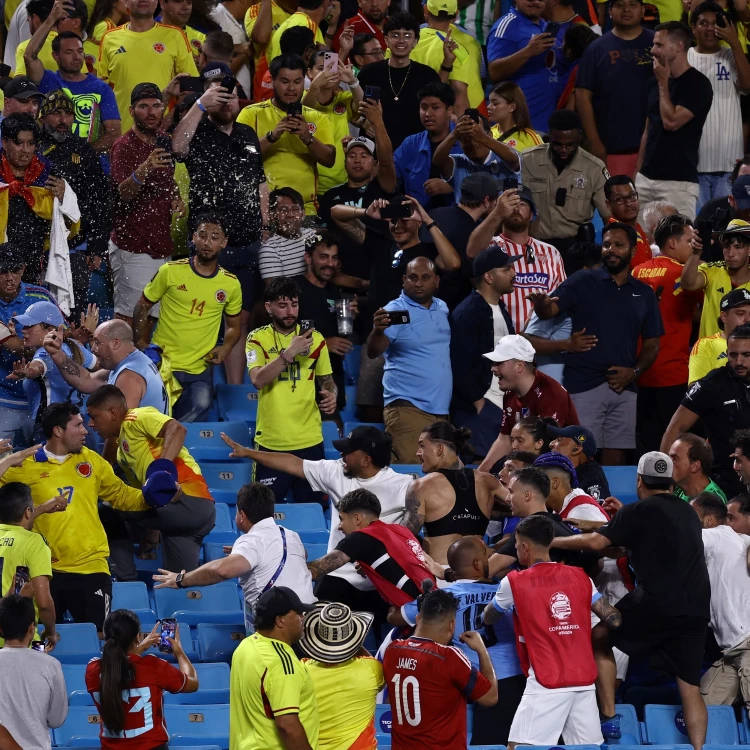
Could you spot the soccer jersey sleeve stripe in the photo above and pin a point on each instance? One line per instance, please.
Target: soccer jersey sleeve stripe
(471, 684)
(285, 659)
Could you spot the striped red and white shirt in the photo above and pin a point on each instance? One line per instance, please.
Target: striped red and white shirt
(540, 269)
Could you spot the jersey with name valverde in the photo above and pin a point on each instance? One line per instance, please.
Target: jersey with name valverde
(192, 306)
(288, 415)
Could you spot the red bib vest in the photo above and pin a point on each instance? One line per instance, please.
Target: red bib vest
(402, 547)
(553, 624)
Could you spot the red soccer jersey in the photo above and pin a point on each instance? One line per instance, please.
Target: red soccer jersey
(546, 398)
(144, 710)
(643, 252)
(428, 688)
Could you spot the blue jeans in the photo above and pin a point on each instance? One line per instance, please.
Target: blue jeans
(16, 425)
(196, 397)
(712, 185)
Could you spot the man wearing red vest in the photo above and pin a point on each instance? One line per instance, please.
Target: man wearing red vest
(553, 618)
(388, 554)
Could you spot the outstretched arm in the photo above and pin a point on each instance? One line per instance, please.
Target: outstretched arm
(327, 564)
(73, 374)
(285, 462)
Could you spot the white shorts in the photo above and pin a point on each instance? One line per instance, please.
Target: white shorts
(130, 274)
(542, 717)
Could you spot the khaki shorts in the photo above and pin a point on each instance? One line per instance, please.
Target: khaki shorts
(728, 678)
(405, 424)
(131, 272)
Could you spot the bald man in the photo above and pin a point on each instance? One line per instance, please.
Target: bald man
(473, 589)
(120, 363)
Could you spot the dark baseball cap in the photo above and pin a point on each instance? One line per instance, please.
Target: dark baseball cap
(21, 87)
(741, 192)
(735, 298)
(278, 601)
(478, 186)
(370, 440)
(582, 436)
(525, 195)
(145, 91)
(215, 70)
(55, 100)
(492, 257)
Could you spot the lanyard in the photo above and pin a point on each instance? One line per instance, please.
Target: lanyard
(275, 576)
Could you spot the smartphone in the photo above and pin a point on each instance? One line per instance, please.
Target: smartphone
(330, 62)
(5, 70)
(192, 84)
(473, 114)
(396, 211)
(553, 29)
(399, 317)
(22, 578)
(372, 93)
(229, 83)
(704, 228)
(168, 630)
(510, 183)
(164, 141)
(39, 645)
(721, 20)
(305, 326)
(294, 109)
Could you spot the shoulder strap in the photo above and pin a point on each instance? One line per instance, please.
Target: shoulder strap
(275, 576)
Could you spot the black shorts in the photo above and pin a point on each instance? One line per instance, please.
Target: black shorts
(674, 644)
(87, 596)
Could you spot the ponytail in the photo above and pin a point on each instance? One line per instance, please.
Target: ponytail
(456, 437)
(121, 629)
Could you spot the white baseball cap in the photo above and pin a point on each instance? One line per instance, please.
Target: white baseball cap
(512, 347)
(656, 467)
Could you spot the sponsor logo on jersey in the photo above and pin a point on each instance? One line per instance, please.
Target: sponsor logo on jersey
(532, 279)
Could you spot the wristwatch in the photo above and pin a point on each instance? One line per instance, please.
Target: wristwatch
(270, 138)
(178, 579)
(637, 371)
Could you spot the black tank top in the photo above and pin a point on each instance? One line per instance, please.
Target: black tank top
(466, 517)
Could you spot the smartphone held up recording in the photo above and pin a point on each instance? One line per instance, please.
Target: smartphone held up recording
(22, 577)
(168, 630)
(330, 62)
(396, 210)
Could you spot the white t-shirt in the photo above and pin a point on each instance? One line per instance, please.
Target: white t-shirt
(583, 512)
(499, 329)
(726, 558)
(390, 488)
(236, 30)
(263, 548)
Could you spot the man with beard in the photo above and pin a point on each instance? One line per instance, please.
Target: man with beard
(225, 166)
(196, 295)
(622, 200)
(619, 310)
(78, 163)
(720, 400)
(369, 20)
(146, 197)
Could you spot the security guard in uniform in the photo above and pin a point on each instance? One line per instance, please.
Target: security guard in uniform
(722, 401)
(567, 183)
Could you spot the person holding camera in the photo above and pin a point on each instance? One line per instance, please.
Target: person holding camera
(413, 334)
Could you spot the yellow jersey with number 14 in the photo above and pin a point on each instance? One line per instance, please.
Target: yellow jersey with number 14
(191, 311)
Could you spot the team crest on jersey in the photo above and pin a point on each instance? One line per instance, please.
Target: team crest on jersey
(84, 469)
(159, 47)
(312, 127)
(196, 44)
(221, 296)
(125, 446)
(339, 109)
(559, 605)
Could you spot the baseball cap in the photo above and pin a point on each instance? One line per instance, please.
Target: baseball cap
(585, 438)
(145, 91)
(657, 467)
(40, 312)
(492, 257)
(55, 100)
(370, 440)
(161, 483)
(478, 186)
(21, 87)
(512, 347)
(277, 601)
(362, 142)
(434, 7)
(741, 192)
(735, 298)
(215, 70)
(525, 195)
(558, 461)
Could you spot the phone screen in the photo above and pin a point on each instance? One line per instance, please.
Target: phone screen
(22, 578)
(168, 630)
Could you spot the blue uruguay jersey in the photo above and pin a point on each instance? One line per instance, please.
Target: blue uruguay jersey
(12, 394)
(500, 639)
(156, 393)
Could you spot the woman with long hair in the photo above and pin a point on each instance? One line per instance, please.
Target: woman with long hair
(509, 115)
(123, 674)
(530, 434)
(107, 15)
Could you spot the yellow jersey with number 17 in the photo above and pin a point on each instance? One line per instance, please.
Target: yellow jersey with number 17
(192, 306)
(288, 414)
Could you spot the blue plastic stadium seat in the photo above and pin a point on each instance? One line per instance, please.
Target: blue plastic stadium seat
(315, 551)
(221, 536)
(349, 426)
(621, 480)
(151, 562)
(567, 747)
(193, 724)
(219, 375)
(237, 403)
(213, 680)
(331, 454)
(314, 537)
(75, 684)
(213, 551)
(204, 442)
(745, 726)
(629, 726)
(351, 364)
(131, 595)
(300, 516)
(408, 469)
(216, 603)
(225, 479)
(224, 518)
(78, 644)
(81, 723)
(665, 725)
(349, 412)
(218, 642)
(330, 433)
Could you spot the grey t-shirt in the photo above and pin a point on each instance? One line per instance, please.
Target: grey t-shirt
(35, 700)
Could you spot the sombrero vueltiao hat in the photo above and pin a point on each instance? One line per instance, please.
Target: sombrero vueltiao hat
(333, 633)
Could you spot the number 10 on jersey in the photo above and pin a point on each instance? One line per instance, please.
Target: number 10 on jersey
(408, 707)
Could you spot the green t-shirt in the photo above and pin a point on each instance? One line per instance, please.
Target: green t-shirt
(710, 487)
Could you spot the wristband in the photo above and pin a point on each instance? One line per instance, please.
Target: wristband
(446, 69)
(200, 105)
(135, 179)
(429, 226)
(354, 85)
(284, 359)
(270, 138)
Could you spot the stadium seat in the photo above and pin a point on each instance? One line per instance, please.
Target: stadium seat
(225, 479)
(75, 683)
(665, 725)
(213, 681)
(151, 562)
(629, 726)
(621, 480)
(78, 644)
(213, 551)
(221, 536)
(224, 518)
(745, 727)
(351, 364)
(132, 595)
(383, 719)
(349, 412)
(193, 724)
(330, 433)
(237, 403)
(331, 454)
(314, 537)
(81, 727)
(314, 551)
(408, 469)
(566, 747)
(204, 442)
(216, 603)
(300, 516)
(349, 426)
(218, 642)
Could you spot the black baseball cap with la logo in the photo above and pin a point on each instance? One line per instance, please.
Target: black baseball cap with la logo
(735, 298)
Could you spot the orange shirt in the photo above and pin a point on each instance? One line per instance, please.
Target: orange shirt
(677, 306)
(643, 251)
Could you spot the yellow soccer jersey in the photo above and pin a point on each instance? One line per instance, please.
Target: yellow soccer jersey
(520, 140)
(196, 39)
(268, 680)
(296, 19)
(140, 444)
(75, 536)
(278, 16)
(718, 283)
(340, 113)
(101, 29)
(288, 161)
(288, 415)
(192, 304)
(45, 56)
(707, 354)
(127, 58)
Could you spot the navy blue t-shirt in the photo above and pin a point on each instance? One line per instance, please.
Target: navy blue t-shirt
(616, 315)
(617, 71)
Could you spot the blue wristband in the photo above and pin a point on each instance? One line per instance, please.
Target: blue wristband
(136, 180)
(200, 105)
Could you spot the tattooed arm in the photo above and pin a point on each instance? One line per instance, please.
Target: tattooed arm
(414, 515)
(74, 374)
(610, 616)
(329, 392)
(328, 563)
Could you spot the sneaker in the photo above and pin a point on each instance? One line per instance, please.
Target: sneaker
(611, 727)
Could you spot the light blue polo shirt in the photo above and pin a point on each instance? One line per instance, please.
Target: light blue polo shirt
(417, 361)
